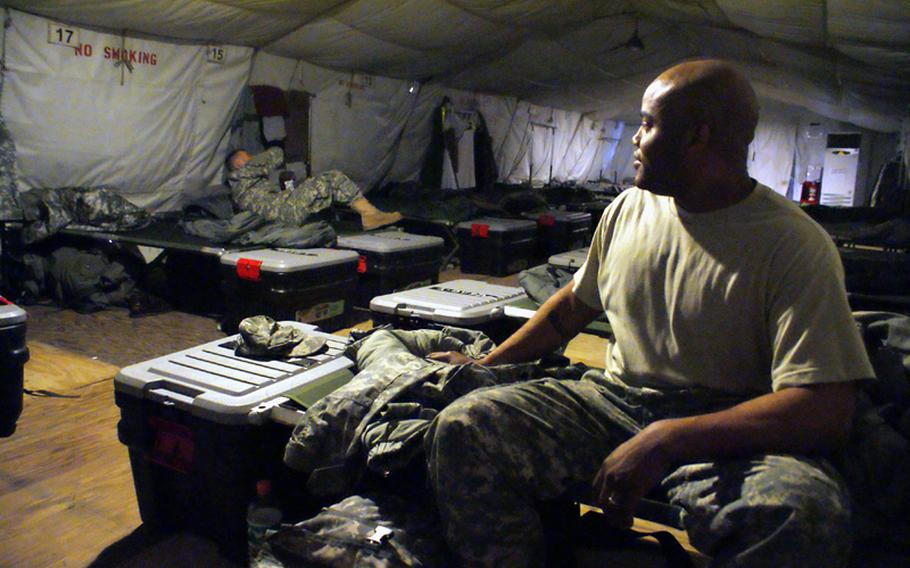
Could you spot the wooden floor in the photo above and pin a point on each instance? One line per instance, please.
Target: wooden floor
(66, 493)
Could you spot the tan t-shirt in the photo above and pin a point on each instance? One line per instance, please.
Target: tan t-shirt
(745, 300)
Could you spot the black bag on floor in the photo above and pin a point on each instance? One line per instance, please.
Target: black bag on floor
(361, 531)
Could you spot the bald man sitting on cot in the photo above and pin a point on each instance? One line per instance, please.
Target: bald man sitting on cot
(731, 375)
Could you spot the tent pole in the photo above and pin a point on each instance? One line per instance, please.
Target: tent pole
(530, 151)
(309, 134)
(531, 158)
(552, 152)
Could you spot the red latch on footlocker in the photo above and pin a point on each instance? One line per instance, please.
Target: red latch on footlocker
(480, 230)
(248, 269)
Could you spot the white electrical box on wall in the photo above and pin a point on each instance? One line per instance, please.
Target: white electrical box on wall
(840, 168)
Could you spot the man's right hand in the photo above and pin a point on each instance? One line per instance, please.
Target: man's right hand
(451, 357)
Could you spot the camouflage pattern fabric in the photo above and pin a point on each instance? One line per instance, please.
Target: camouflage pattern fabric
(252, 190)
(542, 281)
(369, 531)
(377, 421)
(496, 452)
(263, 337)
(48, 210)
(876, 459)
(9, 189)
(248, 228)
(275, 235)
(84, 280)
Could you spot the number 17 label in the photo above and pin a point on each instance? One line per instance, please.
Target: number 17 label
(62, 35)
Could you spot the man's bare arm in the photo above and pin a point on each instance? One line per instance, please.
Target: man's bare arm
(793, 420)
(801, 420)
(558, 320)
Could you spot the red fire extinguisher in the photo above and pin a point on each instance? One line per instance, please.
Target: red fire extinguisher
(810, 193)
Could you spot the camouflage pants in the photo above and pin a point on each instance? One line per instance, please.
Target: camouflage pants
(294, 207)
(495, 452)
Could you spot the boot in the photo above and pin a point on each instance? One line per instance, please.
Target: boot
(372, 218)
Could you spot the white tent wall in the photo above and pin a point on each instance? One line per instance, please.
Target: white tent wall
(77, 119)
(579, 146)
(218, 90)
(811, 139)
(773, 149)
(521, 131)
(809, 131)
(583, 155)
(357, 120)
(837, 87)
(611, 135)
(622, 168)
(384, 133)
(782, 151)
(815, 97)
(417, 134)
(508, 121)
(541, 137)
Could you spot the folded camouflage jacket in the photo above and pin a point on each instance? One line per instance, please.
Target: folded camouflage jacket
(47, 210)
(378, 420)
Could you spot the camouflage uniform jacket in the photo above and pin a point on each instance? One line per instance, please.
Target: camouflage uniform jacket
(253, 190)
(253, 178)
(378, 420)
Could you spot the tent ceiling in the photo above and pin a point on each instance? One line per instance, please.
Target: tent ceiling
(565, 53)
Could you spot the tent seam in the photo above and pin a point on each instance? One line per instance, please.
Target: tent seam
(315, 18)
(239, 6)
(519, 28)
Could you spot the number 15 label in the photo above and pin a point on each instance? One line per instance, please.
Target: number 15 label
(216, 54)
(62, 35)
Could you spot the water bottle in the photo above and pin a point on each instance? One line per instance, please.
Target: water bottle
(262, 515)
